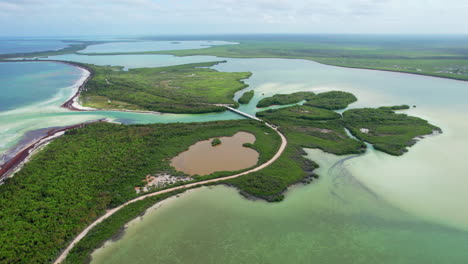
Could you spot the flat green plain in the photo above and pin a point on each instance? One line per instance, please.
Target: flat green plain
(189, 88)
(441, 57)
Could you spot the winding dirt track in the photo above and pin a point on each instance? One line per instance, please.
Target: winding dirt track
(64, 254)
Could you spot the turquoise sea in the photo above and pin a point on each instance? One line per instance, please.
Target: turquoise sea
(27, 83)
(372, 208)
(23, 45)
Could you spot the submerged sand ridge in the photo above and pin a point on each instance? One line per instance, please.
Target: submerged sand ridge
(202, 158)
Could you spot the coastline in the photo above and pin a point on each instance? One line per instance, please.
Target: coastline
(12, 165)
(72, 103)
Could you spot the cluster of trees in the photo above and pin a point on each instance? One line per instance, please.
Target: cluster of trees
(246, 97)
(333, 100)
(285, 99)
(395, 107)
(366, 53)
(300, 112)
(306, 126)
(215, 142)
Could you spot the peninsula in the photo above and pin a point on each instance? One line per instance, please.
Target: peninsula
(190, 88)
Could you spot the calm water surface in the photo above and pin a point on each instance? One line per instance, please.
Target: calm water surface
(29, 45)
(202, 158)
(152, 46)
(369, 209)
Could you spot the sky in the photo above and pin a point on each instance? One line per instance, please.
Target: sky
(114, 17)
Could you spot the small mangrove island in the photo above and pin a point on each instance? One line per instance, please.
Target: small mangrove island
(332, 100)
(285, 99)
(216, 142)
(246, 97)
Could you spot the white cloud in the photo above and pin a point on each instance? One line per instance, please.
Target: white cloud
(224, 16)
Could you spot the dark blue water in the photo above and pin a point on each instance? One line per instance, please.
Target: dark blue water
(23, 46)
(24, 83)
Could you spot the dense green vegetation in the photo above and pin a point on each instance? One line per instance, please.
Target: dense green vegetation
(435, 56)
(77, 177)
(309, 127)
(215, 142)
(271, 182)
(305, 127)
(189, 88)
(333, 100)
(395, 107)
(298, 111)
(285, 99)
(387, 131)
(246, 97)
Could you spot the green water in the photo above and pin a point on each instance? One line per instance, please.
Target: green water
(334, 220)
(369, 209)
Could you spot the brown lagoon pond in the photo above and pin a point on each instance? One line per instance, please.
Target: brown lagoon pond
(202, 158)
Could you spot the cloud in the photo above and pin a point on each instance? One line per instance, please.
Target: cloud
(224, 16)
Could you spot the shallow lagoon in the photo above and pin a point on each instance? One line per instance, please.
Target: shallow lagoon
(373, 208)
(152, 46)
(202, 158)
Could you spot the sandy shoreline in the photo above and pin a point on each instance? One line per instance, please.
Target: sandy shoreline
(73, 103)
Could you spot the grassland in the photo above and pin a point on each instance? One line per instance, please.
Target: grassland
(246, 97)
(445, 57)
(189, 88)
(78, 176)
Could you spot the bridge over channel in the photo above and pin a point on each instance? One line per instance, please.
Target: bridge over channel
(247, 115)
